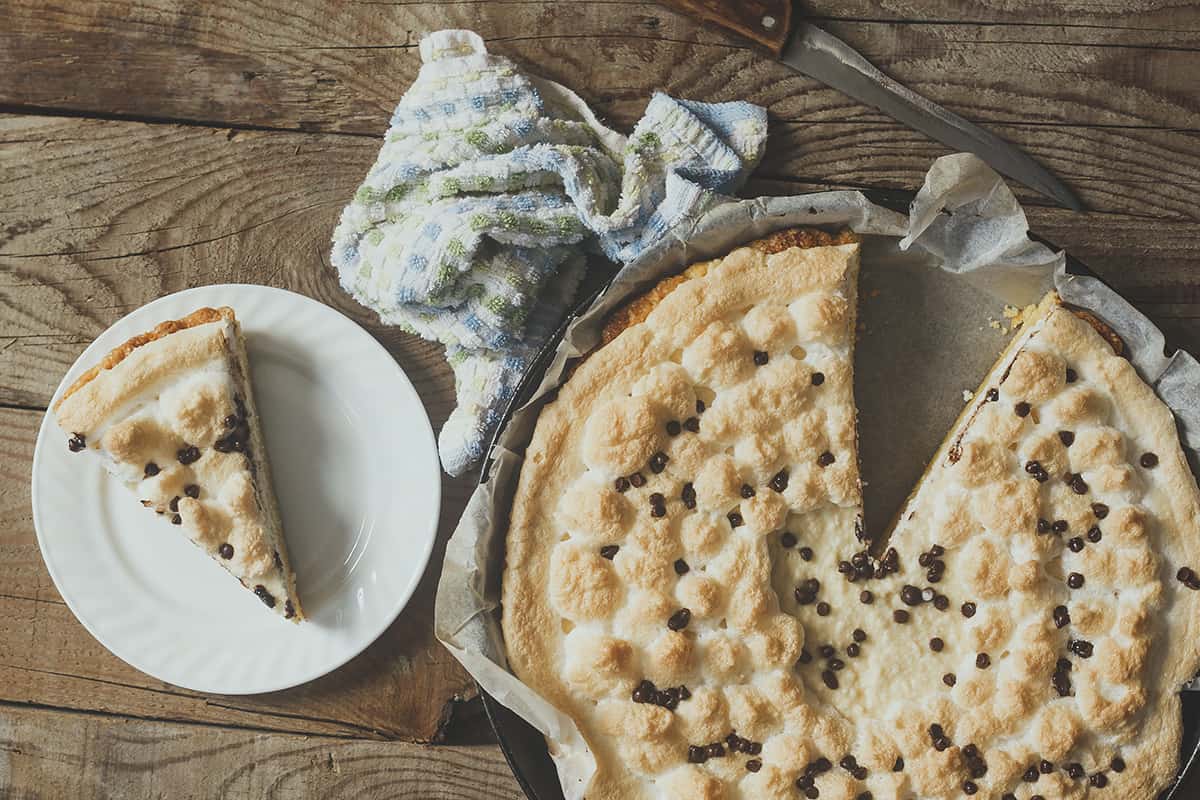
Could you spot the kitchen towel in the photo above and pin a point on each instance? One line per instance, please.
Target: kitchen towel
(471, 227)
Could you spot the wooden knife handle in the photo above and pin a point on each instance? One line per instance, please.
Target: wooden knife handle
(766, 22)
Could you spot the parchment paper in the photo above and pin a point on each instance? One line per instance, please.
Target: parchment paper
(933, 289)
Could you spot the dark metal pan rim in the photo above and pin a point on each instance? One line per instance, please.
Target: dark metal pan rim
(524, 747)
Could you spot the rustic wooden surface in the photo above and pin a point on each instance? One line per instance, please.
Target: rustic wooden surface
(150, 146)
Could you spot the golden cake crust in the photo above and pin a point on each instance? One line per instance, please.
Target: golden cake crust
(171, 413)
(1025, 633)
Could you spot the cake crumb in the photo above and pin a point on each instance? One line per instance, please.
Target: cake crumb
(968, 395)
(1019, 315)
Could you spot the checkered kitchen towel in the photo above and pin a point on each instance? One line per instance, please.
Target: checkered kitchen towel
(469, 229)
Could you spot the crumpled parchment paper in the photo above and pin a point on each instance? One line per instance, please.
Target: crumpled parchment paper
(933, 288)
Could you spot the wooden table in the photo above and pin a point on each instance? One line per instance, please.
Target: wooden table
(150, 146)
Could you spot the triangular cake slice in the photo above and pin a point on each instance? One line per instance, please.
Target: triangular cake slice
(719, 414)
(171, 413)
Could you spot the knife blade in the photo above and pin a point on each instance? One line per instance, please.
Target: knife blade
(831, 61)
(821, 55)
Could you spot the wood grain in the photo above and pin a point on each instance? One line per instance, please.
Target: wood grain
(152, 145)
(279, 63)
(55, 754)
(400, 687)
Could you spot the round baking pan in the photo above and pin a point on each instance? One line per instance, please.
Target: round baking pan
(525, 748)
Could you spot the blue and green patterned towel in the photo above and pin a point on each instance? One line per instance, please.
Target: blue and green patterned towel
(470, 228)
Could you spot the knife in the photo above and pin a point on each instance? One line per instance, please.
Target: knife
(808, 49)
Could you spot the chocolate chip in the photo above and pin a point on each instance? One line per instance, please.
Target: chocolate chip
(805, 657)
(621, 484)
(715, 750)
(735, 519)
(826, 651)
(1035, 469)
(983, 661)
(1100, 510)
(1061, 681)
(1031, 775)
(753, 765)
(77, 442)
(151, 469)
(231, 421)
(692, 425)
(969, 787)
(1075, 544)
(859, 635)
(1045, 767)
(1081, 648)
(761, 357)
(176, 520)
(829, 677)
(992, 395)
(823, 609)
(1062, 617)
(825, 459)
(267, 598)
(941, 745)
(780, 480)
(1185, 575)
(1149, 461)
(1094, 535)
(836, 664)
(898, 764)
(174, 504)
(1098, 780)
(924, 559)
(225, 550)
(848, 763)
(1074, 770)
(968, 610)
(1079, 485)
(609, 551)
(865, 597)
(1075, 580)
(747, 491)
(681, 567)
(1118, 764)
(1059, 526)
(867, 794)
(680, 619)
(637, 480)
(949, 679)
(853, 650)
(1072, 375)
(941, 602)
(806, 553)
(644, 692)
(900, 615)
(910, 595)
(192, 490)
(937, 551)
(188, 455)
(658, 462)
(278, 560)
(1043, 526)
(700, 406)
(696, 755)
(657, 510)
(970, 752)
(1022, 408)
(788, 539)
(289, 610)
(936, 644)
(674, 428)
(688, 495)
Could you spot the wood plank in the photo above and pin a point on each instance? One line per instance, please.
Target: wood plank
(47, 754)
(113, 214)
(400, 687)
(1079, 19)
(294, 65)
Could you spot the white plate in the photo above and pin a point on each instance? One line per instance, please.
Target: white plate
(357, 476)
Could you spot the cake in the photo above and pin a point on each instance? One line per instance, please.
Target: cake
(688, 578)
(171, 414)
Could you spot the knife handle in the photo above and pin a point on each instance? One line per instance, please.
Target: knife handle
(766, 22)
